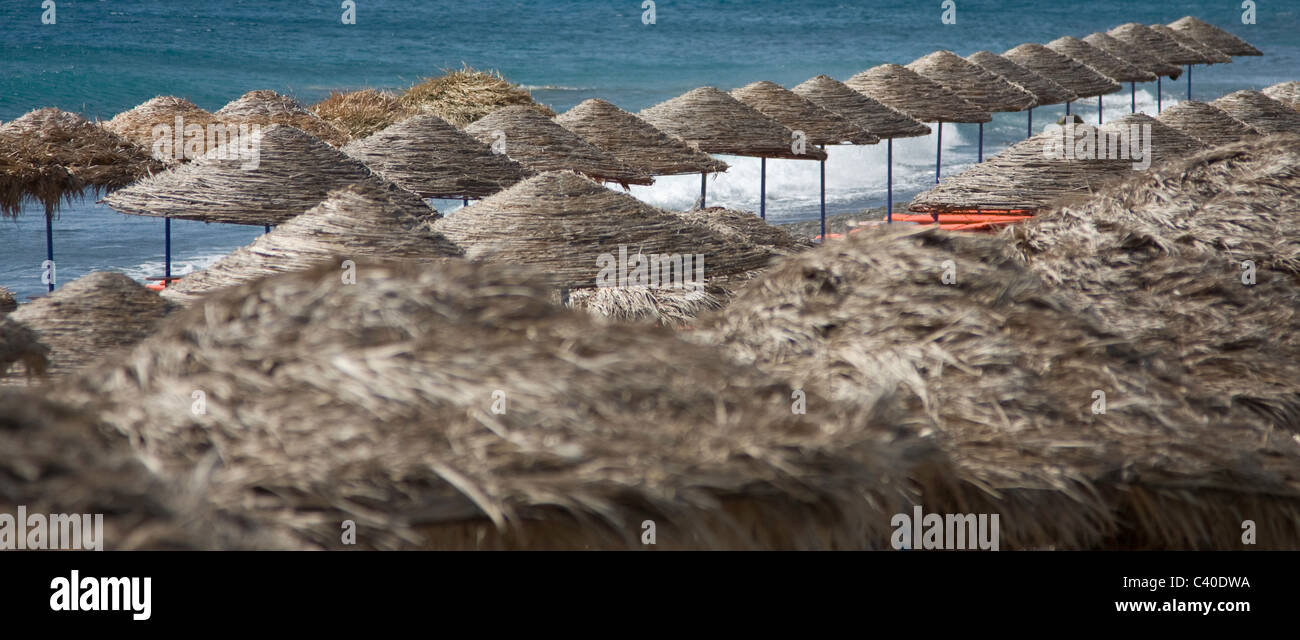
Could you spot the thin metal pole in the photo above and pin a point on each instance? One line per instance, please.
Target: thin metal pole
(1134, 87)
(938, 152)
(1189, 82)
(49, 245)
(266, 229)
(1067, 108)
(823, 194)
(1031, 123)
(889, 181)
(167, 251)
(981, 154)
(704, 189)
(465, 202)
(762, 188)
(1098, 109)
(1158, 94)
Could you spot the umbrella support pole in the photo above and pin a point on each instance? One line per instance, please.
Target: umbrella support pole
(938, 151)
(981, 152)
(889, 181)
(762, 188)
(464, 202)
(1158, 94)
(266, 229)
(49, 246)
(1098, 109)
(1134, 87)
(1189, 82)
(704, 189)
(167, 251)
(1067, 108)
(1031, 124)
(823, 194)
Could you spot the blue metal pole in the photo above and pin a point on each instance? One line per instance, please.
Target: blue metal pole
(762, 188)
(167, 251)
(938, 154)
(889, 181)
(823, 194)
(981, 155)
(49, 243)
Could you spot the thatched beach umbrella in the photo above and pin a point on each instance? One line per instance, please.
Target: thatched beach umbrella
(532, 139)
(975, 84)
(1167, 143)
(634, 141)
(1102, 62)
(138, 124)
(867, 114)
(1287, 93)
(89, 318)
(1214, 36)
(265, 107)
(433, 159)
(367, 221)
(1208, 124)
(1136, 56)
(1045, 90)
(797, 113)
(53, 156)
(1261, 112)
(1076, 76)
(19, 344)
(1157, 45)
(462, 96)
(1207, 53)
(712, 121)
(359, 114)
(7, 301)
(455, 407)
(918, 97)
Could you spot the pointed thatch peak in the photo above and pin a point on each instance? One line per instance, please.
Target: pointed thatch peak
(1133, 55)
(532, 139)
(1155, 44)
(360, 113)
(1207, 53)
(1287, 93)
(714, 122)
(980, 87)
(462, 96)
(865, 112)
(287, 173)
(431, 158)
(634, 141)
(913, 94)
(1263, 113)
(1167, 143)
(1045, 90)
(266, 107)
(1213, 36)
(1067, 72)
(1100, 61)
(798, 113)
(1206, 123)
(137, 124)
(560, 224)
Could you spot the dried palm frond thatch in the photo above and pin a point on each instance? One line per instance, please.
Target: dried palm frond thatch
(138, 123)
(1045, 90)
(1208, 124)
(1213, 36)
(294, 171)
(1167, 143)
(712, 121)
(1133, 54)
(673, 308)
(974, 83)
(1076, 76)
(1100, 61)
(749, 227)
(634, 141)
(265, 107)
(1006, 369)
(455, 407)
(913, 94)
(1155, 44)
(1261, 112)
(535, 141)
(431, 158)
(359, 114)
(865, 112)
(1287, 93)
(462, 96)
(1206, 53)
(798, 113)
(19, 344)
(83, 321)
(362, 222)
(50, 185)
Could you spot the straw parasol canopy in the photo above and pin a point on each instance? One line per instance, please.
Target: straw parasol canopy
(1207, 53)
(1067, 72)
(1133, 54)
(462, 96)
(913, 94)
(362, 222)
(19, 179)
(90, 317)
(1100, 61)
(19, 344)
(1045, 90)
(359, 114)
(1215, 37)
(1263, 113)
(1005, 368)
(454, 407)
(798, 113)
(1287, 93)
(431, 158)
(137, 124)
(863, 111)
(535, 141)
(634, 141)
(294, 172)
(978, 86)
(745, 227)
(1155, 44)
(1208, 124)
(560, 223)
(266, 108)
(1167, 143)
(712, 121)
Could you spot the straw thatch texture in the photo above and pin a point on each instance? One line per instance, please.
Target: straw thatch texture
(19, 344)
(559, 224)
(634, 141)
(744, 225)
(88, 318)
(294, 172)
(19, 179)
(1213, 36)
(1045, 90)
(1155, 44)
(431, 158)
(865, 112)
(1004, 367)
(362, 222)
(1133, 54)
(137, 124)
(535, 141)
(1261, 112)
(1099, 60)
(1067, 72)
(974, 83)
(462, 96)
(7, 301)
(1207, 53)
(672, 308)
(798, 113)
(1208, 124)
(913, 94)
(265, 107)
(1287, 93)
(377, 407)
(712, 121)
(1167, 143)
(360, 113)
